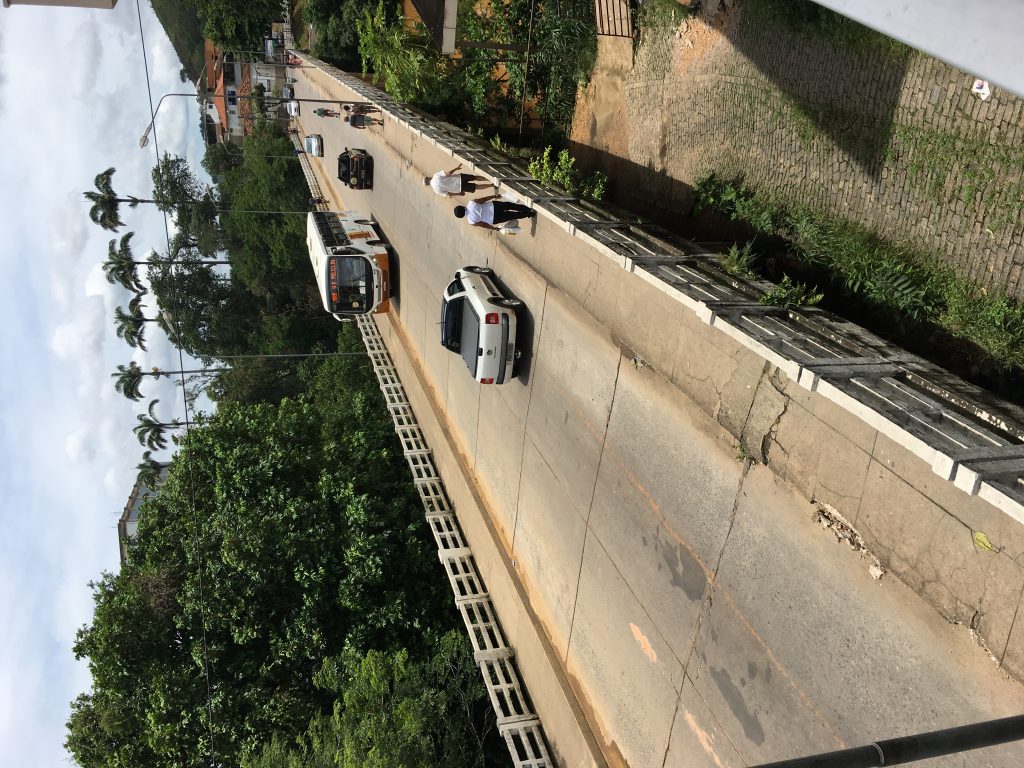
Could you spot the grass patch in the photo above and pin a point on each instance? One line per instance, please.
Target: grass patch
(968, 169)
(659, 15)
(807, 18)
(895, 283)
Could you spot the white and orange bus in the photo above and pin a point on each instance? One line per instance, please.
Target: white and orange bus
(350, 263)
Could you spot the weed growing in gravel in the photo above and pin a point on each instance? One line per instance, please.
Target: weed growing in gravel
(788, 294)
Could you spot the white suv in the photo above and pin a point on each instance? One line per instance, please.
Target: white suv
(479, 322)
(314, 145)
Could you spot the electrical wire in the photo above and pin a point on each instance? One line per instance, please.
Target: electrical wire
(188, 425)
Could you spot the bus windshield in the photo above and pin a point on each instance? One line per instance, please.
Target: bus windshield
(349, 284)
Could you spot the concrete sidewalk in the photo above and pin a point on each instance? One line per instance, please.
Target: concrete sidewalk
(699, 613)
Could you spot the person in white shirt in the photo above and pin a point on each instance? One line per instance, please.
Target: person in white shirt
(452, 184)
(488, 211)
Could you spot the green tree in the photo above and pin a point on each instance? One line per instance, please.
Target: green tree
(119, 268)
(282, 535)
(149, 470)
(128, 379)
(395, 711)
(106, 204)
(151, 431)
(404, 58)
(130, 325)
(237, 25)
(194, 205)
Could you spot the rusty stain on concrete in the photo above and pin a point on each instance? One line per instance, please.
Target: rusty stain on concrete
(645, 644)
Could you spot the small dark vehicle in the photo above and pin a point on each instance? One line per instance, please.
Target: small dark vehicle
(355, 168)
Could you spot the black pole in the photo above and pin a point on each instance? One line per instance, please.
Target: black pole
(921, 746)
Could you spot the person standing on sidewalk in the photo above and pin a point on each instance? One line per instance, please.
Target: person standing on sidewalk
(361, 121)
(487, 211)
(452, 184)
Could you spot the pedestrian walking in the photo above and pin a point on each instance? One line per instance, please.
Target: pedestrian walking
(361, 121)
(313, 201)
(324, 112)
(487, 211)
(452, 184)
(360, 109)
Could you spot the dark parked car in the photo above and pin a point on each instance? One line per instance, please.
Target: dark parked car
(355, 168)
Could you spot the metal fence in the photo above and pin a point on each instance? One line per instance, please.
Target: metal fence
(614, 18)
(518, 724)
(967, 436)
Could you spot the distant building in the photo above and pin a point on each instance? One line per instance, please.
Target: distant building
(225, 94)
(128, 525)
(228, 89)
(64, 3)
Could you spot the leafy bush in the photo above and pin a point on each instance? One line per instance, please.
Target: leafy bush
(740, 261)
(788, 294)
(563, 173)
(903, 283)
(395, 711)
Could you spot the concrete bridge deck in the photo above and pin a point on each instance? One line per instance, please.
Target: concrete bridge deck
(673, 603)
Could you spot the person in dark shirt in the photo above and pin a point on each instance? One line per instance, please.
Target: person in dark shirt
(362, 121)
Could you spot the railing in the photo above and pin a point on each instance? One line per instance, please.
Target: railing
(967, 436)
(517, 723)
(614, 18)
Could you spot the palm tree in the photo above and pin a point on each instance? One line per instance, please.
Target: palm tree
(150, 430)
(128, 379)
(120, 264)
(130, 325)
(150, 470)
(106, 205)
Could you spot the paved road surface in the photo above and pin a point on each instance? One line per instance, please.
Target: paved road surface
(701, 616)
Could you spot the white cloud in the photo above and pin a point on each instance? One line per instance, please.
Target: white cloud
(67, 454)
(85, 57)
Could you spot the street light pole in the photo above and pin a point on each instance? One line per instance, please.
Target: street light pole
(144, 140)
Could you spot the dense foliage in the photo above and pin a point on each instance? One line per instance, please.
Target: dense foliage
(185, 31)
(255, 219)
(237, 25)
(285, 536)
(394, 712)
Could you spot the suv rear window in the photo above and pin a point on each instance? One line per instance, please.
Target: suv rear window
(451, 323)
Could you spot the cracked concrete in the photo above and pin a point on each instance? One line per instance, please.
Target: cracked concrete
(830, 456)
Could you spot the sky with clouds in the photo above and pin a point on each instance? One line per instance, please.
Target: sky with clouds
(74, 102)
